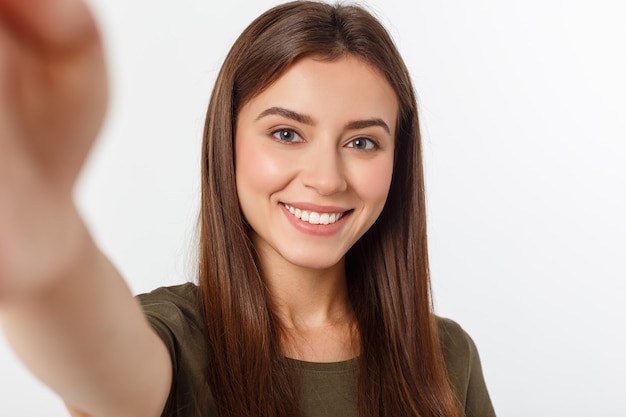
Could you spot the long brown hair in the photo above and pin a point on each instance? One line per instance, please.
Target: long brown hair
(402, 372)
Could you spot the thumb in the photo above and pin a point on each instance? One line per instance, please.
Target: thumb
(50, 24)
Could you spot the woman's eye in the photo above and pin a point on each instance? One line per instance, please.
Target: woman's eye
(286, 135)
(363, 144)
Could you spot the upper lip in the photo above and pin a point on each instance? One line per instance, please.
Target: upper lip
(316, 207)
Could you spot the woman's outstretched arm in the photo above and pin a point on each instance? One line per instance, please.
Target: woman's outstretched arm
(63, 306)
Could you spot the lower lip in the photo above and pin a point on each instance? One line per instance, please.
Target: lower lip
(315, 229)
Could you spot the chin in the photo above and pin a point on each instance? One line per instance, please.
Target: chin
(315, 261)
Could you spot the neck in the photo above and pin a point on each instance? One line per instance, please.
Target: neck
(316, 319)
(305, 298)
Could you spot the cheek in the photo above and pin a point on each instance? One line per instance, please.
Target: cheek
(257, 169)
(372, 182)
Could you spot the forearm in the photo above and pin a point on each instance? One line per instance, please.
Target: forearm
(65, 309)
(85, 336)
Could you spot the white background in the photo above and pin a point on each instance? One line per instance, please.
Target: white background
(522, 106)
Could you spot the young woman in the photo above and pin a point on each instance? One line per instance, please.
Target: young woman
(313, 292)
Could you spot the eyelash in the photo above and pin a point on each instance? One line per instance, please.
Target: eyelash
(276, 134)
(372, 146)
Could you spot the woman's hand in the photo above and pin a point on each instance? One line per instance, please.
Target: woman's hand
(66, 311)
(53, 96)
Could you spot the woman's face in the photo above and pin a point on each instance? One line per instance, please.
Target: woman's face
(314, 156)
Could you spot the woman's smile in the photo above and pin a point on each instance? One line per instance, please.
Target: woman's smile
(315, 216)
(314, 155)
(316, 222)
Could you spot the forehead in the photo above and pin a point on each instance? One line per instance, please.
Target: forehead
(337, 90)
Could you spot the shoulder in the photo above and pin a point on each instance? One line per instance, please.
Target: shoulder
(457, 345)
(458, 350)
(183, 296)
(464, 369)
(452, 334)
(175, 315)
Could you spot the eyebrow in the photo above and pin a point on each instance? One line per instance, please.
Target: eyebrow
(362, 124)
(308, 120)
(290, 114)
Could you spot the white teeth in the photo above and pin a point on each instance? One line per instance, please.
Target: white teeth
(313, 217)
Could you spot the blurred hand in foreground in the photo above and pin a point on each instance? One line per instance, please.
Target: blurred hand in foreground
(53, 97)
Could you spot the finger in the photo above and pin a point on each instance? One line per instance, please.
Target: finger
(50, 24)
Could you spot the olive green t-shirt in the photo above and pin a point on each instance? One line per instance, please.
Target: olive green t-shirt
(327, 389)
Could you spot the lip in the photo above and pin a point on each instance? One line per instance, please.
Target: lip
(316, 207)
(316, 229)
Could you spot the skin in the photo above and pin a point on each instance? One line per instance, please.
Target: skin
(51, 63)
(63, 307)
(318, 141)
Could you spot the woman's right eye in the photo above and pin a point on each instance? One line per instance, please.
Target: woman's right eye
(286, 135)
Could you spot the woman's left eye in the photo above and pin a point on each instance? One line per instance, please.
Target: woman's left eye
(286, 135)
(363, 144)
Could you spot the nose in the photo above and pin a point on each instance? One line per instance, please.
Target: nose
(324, 170)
